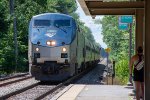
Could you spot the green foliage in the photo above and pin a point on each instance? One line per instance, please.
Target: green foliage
(118, 41)
(122, 70)
(62, 6)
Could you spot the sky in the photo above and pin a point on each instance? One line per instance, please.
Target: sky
(95, 28)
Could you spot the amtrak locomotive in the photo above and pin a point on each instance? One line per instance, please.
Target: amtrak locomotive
(57, 48)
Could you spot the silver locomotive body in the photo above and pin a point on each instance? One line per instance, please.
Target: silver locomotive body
(57, 50)
(50, 38)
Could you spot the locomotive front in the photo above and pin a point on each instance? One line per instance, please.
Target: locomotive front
(50, 36)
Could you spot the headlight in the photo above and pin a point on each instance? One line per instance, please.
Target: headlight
(48, 43)
(64, 49)
(37, 49)
(51, 43)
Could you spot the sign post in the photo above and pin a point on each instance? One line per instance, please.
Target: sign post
(107, 50)
(127, 20)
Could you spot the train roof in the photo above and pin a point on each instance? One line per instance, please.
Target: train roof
(54, 14)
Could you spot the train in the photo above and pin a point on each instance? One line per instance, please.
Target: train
(58, 48)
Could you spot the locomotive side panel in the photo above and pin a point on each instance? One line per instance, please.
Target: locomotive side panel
(73, 57)
(80, 47)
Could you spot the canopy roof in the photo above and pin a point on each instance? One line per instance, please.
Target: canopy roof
(98, 7)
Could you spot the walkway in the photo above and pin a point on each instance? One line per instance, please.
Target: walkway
(95, 92)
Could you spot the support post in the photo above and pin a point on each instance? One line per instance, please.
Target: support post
(130, 41)
(113, 74)
(139, 28)
(107, 68)
(147, 50)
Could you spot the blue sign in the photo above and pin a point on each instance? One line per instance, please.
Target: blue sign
(125, 19)
(123, 26)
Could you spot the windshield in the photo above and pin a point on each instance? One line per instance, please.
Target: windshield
(61, 23)
(50, 29)
(42, 22)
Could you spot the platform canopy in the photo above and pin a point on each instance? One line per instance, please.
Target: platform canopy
(99, 7)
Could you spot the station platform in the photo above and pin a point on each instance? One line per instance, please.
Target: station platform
(95, 92)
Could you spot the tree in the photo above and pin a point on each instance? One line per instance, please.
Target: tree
(24, 10)
(62, 6)
(118, 41)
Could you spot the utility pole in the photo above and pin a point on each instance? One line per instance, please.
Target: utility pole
(15, 32)
(130, 41)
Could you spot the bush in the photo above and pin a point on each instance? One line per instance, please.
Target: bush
(122, 71)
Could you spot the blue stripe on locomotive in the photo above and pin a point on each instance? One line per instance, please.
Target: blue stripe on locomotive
(42, 34)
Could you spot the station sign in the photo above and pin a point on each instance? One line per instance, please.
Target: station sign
(123, 26)
(125, 19)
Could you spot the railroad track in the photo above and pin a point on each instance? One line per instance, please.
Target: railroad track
(36, 93)
(12, 89)
(14, 76)
(14, 80)
(43, 92)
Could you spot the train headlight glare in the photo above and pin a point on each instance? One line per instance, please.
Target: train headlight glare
(37, 49)
(53, 43)
(64, 49)
(48, 43)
